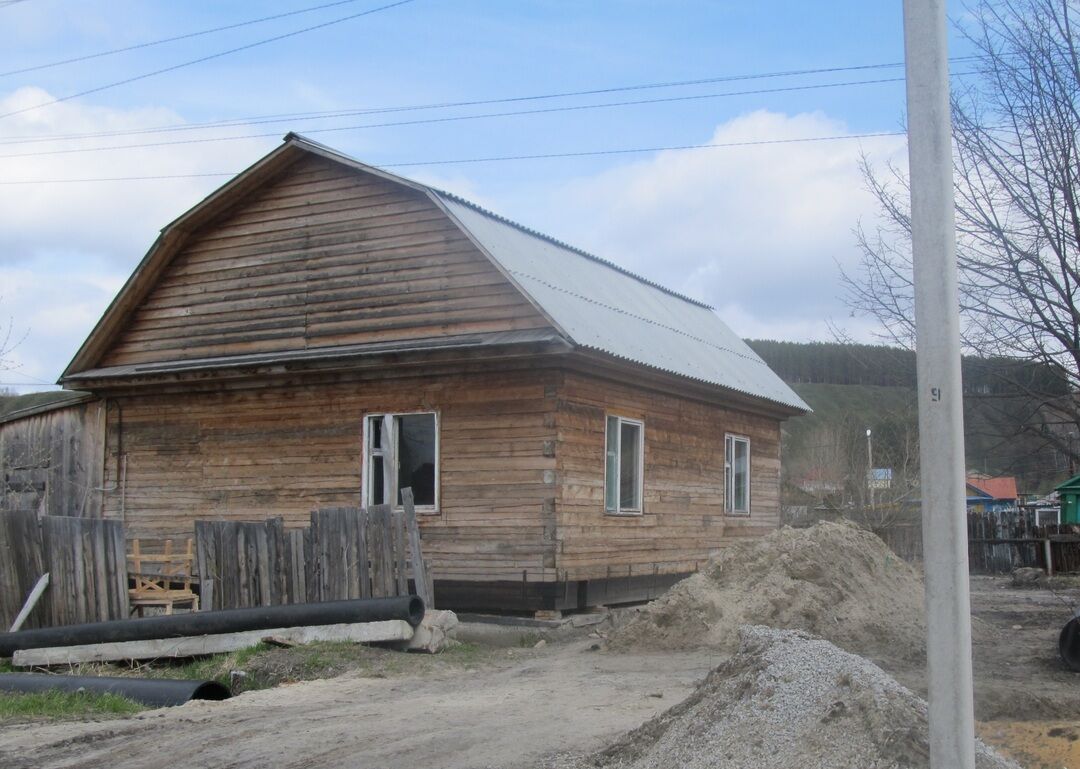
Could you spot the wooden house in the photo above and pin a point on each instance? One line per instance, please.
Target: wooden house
(320, 332)
(986, 494)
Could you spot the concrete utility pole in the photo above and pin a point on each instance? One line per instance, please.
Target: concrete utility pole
(941, 422)
(870, 470)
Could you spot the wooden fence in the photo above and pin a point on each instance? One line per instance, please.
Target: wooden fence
(84, 557)
(1000, 543)
(346, 552)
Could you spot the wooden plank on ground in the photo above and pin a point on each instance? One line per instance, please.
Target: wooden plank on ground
(194, 646)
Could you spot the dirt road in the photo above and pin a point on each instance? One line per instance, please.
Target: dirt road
(562, 698)
(514, 711)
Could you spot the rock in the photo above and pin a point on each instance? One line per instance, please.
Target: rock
(434, 633)
(540, 644)
(1027, 575)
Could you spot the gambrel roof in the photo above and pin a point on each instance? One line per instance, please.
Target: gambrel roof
(590, 303)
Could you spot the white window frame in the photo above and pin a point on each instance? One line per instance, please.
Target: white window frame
(620, 510)
(730, 439)
(368, 453)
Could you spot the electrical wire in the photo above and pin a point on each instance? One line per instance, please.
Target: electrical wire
(452, 119)
(353, 112)
(496, 158)
(206, 58)
(175, 38)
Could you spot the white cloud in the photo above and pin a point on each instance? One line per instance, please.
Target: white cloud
(65, 249)
(754, 231)
(117, 219)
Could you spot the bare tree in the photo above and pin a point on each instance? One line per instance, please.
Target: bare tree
(8, 342)
(1016, 166)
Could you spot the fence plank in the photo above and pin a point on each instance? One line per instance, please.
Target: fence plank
(419, 568)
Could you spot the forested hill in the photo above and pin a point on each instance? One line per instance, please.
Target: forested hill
(863, 364)
(855, 387)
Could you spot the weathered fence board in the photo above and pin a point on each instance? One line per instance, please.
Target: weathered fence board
(346, 552)
(999, 543)
(85, 559)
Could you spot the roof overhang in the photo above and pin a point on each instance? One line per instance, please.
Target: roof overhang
(500, 345)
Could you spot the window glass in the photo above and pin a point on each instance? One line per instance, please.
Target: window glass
(611, 471)
(401, 452)
(629, 466)
(378, 493)
(622, 465)
(737, 474)
(416, 456)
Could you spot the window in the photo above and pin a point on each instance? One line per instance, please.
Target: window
(624, 449)
(737, 475)
(401, 451)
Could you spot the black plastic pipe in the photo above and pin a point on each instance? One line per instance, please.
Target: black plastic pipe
(1069, 644)
(156, 692)
(409, 608)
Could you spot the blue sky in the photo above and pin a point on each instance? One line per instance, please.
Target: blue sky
(756, 231)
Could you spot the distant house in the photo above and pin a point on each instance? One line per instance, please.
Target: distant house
(321, 332)
(986, 494)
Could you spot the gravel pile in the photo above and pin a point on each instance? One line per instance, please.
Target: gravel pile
(786, 700)
(835, 580)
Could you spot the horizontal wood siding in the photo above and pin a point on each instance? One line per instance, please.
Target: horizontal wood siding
(683, 522)
(324, 256)
(288, 448)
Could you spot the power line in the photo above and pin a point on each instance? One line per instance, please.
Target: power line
(288, 116)
(456, 118)
(497, 158)
(162, 41)
(209, 57)
(6, 3)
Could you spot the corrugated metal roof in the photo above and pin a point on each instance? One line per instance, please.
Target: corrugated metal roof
(605, 308)
(996, 488)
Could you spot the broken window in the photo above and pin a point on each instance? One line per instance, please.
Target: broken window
(737, 475)
(624, 450)
(401, 451)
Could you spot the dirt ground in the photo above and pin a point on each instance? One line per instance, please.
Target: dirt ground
(523, 705)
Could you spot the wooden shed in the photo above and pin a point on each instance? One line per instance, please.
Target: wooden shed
(51, 453)
(321, 332)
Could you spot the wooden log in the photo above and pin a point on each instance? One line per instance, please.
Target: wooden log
(194, 646)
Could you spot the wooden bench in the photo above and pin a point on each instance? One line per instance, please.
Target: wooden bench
(155, 587)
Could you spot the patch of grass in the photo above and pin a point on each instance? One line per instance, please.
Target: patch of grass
(466, 654)
(528, 640)
(6, 666)
(55, 705)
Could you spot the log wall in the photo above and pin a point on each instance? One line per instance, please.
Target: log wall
(324, 256)
(683, 521)
(288, 448)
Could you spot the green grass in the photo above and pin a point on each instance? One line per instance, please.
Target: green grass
(56, 705)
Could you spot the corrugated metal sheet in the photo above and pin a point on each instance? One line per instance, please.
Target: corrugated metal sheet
(604, 308)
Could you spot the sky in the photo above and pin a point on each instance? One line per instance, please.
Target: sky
(759, 226)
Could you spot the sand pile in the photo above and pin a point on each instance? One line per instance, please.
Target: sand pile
(834, 580)
(786, 701)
